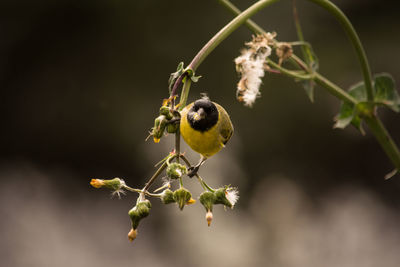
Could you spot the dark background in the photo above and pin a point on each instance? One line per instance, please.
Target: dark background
(81, 83)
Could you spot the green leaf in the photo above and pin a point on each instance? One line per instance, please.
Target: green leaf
(174, 76)
(195, 79)
(308, 86)
(385, 91)
(190, 74)
(348, 111)
(345, 116)
(357, 122)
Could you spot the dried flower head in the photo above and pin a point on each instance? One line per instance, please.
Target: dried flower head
(250, 66)
(232, 194)
(227, 196)
(284, 51)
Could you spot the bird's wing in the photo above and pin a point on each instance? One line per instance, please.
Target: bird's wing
(226, 128)
(225, 135)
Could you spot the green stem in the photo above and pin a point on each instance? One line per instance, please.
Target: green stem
(140, 191)
(226, 31)
(384, 139)
(334, 89)
(155, 175)
(319, 79)
(249, 23)
(201, 181)
(290, 73)
(185, 93)
(355, 40)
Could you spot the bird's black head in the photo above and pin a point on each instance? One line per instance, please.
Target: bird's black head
(203, 115)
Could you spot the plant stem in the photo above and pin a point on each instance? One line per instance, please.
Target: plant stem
(355, 40)
(177, 144)
(226, 31)
(384, 139)
(201, 181)
(140, 191)
(290, 73)
(249, 23)
(185, 93)
(334, 89)
(154, 177)
(175, 87)
(319, 79)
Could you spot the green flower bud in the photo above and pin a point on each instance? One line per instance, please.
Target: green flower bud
(183, 197)
(140, 211)
(114, 184)
(227, 196)
(176, 170)
(164, 110)
(207, 199)
(167, 197)
(159, 127)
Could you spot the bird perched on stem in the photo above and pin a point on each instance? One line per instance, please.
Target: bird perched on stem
(206, 128)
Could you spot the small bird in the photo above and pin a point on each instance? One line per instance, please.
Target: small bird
(206, 128)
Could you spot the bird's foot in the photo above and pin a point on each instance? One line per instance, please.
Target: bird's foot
(193, 171)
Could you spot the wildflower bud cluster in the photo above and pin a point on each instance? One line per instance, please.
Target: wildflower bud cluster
(167, 121)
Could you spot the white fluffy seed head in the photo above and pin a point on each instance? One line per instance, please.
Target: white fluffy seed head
(250, 66)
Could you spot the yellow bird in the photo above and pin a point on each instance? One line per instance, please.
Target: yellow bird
(206, 128)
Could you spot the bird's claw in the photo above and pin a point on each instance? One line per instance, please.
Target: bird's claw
(193, 171)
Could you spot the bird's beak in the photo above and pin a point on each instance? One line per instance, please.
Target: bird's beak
(200, 114)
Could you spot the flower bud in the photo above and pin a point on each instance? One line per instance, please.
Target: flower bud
(159, 127)
(132, 234)
(164, 110)
(227, 196)
(115, 184)
(167, 196)
(209, 217)
(97, 183)
(176, 170)
(183, 197)
(140, 211)
(207, 199)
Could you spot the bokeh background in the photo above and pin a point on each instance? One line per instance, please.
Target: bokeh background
(82, 81)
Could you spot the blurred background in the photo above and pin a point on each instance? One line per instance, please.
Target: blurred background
(81, 83)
